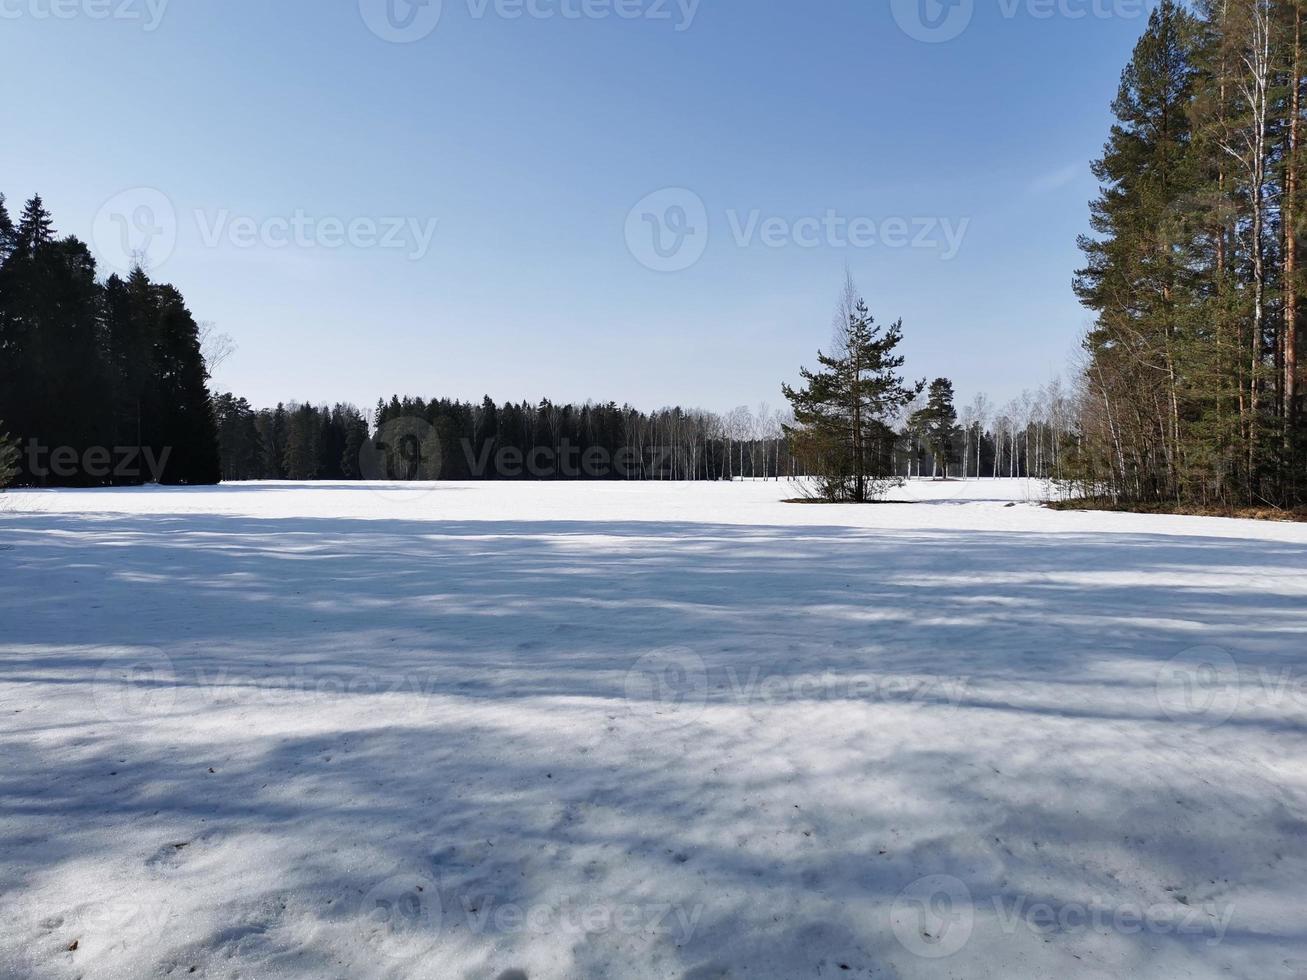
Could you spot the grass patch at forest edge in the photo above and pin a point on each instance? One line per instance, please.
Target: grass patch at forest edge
(1252, 513)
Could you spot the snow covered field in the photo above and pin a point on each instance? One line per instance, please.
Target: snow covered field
(646, 730)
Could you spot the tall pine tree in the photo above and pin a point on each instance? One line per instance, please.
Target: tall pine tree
(938, 424)
(842, 413)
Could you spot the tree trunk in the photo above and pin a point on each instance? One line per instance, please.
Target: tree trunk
(1290, 342)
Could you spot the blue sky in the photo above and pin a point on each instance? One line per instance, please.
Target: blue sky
(528, 141)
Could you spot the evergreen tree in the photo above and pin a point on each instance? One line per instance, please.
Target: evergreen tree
(842, 412)
(488, 422)
(1191, 391)
(11, 347)
(131, 323)
(75, 385)
(938, 424)
(331, 446)
(52, 376)
(274, 432)
(36, 227)
(8, 233)
(356, 436)
(185, 424)
(8, 459)
(23, 301)
(1137, 278)
(302, 457)
(90, 367)
(239, 445)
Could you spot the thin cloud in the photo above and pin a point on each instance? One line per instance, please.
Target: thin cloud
(1047, 183)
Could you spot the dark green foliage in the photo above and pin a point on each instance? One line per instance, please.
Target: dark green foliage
(415, 439)
(302, 460)
(8, 460)
(842, 414)
(354, 436)
(102, 377)
(547, 441)
(938, 424)
(1190, 393)
(239, 442)
(185, 423)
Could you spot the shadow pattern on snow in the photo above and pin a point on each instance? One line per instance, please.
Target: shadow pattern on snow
(477, 728)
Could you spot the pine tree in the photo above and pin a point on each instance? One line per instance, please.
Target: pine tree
(11, 346)
(356, 437)
(54, 378)
(302, 451)
(23, 301)
(8, 459)
(938, 424)
(842, 412)
(1137, 279)
(75, 383)
(186, 429)
(35, 228)
(240, 447)
(8, 233)
(273, 426)
(131, 326)
(1192, 387)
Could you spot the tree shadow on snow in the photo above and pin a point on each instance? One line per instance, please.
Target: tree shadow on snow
(436, 659)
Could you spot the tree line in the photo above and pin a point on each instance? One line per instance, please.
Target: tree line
(1191, 389)
(101, 383)
(290, 442)
(448, 439)
(415, 439)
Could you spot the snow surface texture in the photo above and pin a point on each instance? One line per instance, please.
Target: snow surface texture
(646, 730)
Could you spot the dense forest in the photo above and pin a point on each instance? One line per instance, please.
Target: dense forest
(457, 440)
(1192, 390)
(101, 383)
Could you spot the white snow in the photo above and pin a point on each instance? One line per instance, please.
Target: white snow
(646, 730)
